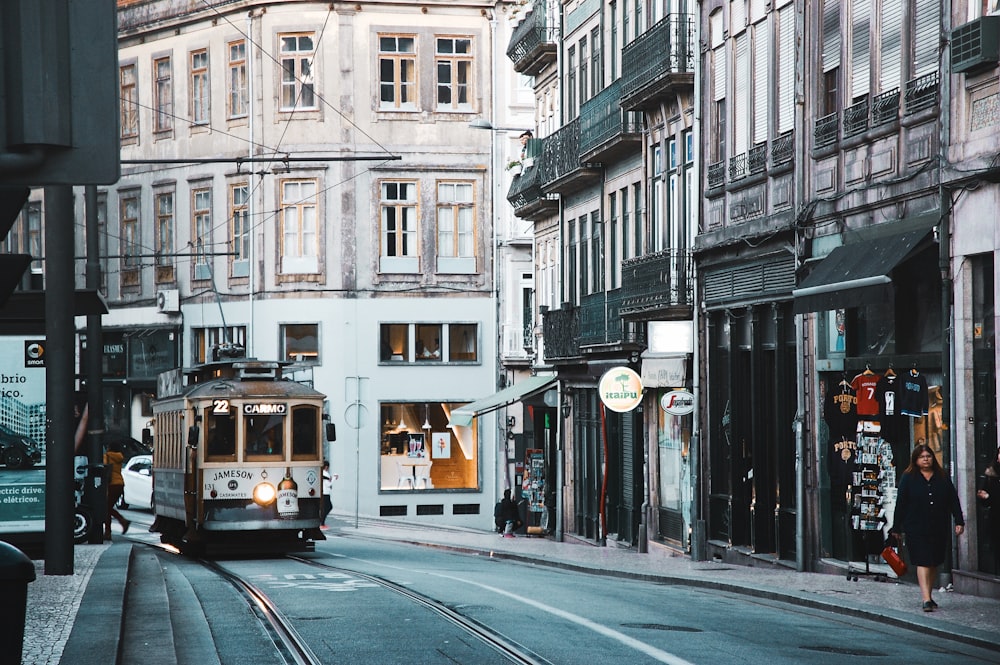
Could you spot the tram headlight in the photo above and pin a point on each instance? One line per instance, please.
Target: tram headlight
(264, 494)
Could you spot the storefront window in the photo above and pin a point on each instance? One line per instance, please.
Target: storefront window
(420, 452)
(673, 441)
(300, 343)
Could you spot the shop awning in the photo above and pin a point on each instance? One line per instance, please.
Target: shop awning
(463, 416)
(858, 273)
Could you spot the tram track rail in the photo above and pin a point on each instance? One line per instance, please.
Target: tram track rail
(290, 645)
(511, 650)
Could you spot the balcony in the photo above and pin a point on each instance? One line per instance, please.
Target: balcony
(717, 174)
(527, 197)
(606, 131)
(922, 93)
(825, 131)
(757, 159)
(885, 108)
(601, 321)
(561, 332)
(658, 284)
(533, 45)
(782, 148)
(856, 118)
(562, 171)
(658, 62)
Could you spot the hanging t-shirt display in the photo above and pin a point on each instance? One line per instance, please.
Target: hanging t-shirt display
(895, 426)
(840, 411)
(913, 400)
(841, 459)
(864, 385)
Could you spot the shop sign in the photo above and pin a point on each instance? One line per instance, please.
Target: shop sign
(620, 389)
(677, 402)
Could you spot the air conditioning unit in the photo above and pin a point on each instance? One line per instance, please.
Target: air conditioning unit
(975, 45)
(168, 301)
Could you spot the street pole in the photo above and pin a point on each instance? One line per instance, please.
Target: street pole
(95, 491)
(59, 380)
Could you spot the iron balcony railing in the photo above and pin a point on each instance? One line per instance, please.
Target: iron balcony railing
(738, 167)
(885, 107)
(562, 153)
(601, 320)
(561, 332)
(531, 41)
(922, 92)
(782, 148)
(856, 118)
(666, 48)
(602, 118)
(657, 281)
(716, 174)
(757, 158)
(825, 131)
(526, 188)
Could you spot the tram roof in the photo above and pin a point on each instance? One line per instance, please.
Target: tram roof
(244, 377)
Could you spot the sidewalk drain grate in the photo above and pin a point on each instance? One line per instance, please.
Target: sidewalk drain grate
(845, 651)
(660, 626)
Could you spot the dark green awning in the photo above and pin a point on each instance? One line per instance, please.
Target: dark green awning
(859, 273)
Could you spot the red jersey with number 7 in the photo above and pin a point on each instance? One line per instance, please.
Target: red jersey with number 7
(864, 385)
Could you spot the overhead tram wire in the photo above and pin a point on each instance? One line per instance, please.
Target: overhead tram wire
(253, 160)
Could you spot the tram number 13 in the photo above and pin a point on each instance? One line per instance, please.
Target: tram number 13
(220, 406)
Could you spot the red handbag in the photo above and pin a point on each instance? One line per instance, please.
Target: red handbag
(895, 562)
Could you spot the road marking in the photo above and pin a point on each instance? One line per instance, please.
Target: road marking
(651, 651)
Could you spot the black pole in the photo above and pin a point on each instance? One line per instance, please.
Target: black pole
(95, 494)
(59, 380)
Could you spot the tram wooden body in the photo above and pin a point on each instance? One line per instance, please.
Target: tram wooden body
(237, 460)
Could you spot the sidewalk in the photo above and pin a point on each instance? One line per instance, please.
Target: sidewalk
(71, 619)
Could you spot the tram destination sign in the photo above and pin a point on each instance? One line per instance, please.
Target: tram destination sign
(265, 409)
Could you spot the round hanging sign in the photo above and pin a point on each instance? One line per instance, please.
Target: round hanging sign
(677, 402)
(620, 389)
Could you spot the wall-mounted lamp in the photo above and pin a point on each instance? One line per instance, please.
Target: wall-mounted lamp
(482, 123)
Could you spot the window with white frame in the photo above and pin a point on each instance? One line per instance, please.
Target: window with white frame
(238, 104)
(239, 197)
(398, 227)
(397, 67)
(299, 226)
(300, 343)
(456, 235)
(163, 95)
(164, 202)
(199, 90)
(454, 73)
(297, 54)
(201, 217)
(429, 342)
(130, 229)
(129, 100)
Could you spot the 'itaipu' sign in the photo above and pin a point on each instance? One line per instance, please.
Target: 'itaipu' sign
(620, 389)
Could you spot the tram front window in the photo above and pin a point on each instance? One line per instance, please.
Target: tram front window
(305, 432)
(221, 437)
(264, 437)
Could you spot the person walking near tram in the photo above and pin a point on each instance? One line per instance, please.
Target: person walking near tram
(926, 502)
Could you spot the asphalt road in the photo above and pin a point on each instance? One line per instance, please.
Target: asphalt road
(562, 616)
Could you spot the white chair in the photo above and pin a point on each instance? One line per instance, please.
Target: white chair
(404, 476)
(423, 476)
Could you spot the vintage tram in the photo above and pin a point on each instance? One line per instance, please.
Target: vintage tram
(237, 459)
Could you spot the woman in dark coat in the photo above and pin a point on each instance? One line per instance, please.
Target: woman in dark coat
(926, 501)
(989, 496)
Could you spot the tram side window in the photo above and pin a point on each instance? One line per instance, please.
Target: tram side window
(221, 437)
(305, 432)
(264, 435)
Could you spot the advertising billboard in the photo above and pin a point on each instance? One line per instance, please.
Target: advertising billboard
(22, 435)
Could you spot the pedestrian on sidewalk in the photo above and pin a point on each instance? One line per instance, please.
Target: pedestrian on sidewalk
(989, 497)
(327, 493)
(505, 515)
(926, 502)
(113, 459)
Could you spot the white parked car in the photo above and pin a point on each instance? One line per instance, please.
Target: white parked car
(138, 475)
